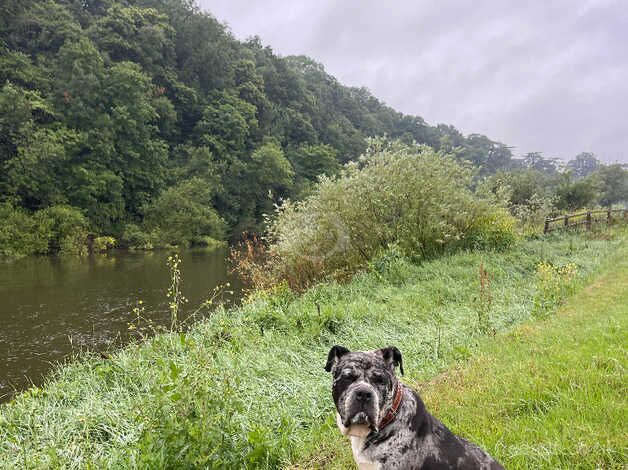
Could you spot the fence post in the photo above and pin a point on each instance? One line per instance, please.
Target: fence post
(588, 220)
(546, 228)
(608, 217)
(566, 221)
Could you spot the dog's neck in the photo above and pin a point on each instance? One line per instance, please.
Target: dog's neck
(394, 407)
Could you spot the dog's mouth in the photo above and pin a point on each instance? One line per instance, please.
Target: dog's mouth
(360, 419)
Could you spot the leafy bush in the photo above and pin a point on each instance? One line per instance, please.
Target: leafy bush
(56, 229)
(184, 214)
(410, 196)
(19, 233)
(101, 244)
(135, 238)
(525, 193)
(65, 228)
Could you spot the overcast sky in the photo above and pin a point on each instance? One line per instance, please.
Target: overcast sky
(543, 75)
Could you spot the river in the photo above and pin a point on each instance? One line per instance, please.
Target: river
(52, 308)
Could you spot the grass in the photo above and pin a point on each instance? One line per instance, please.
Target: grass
(246, 388)
(552, 393)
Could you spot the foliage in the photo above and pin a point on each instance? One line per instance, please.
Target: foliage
(555, 283)
(100, 244)
(184, 214)
(612, 184)
(246, 386)
(65, 228)
(56, 229)
(134, 238)
(20, 234)
(106, 106)
(572, 195)
(410, 196)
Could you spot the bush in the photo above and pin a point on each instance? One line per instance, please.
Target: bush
(20, 235)
(411, 196)
(65, 228)
(184, 214)
(135, 239)
(526, 194)
(101, 244)
(56, 229)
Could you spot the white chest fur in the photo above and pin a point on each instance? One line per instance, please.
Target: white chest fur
(363, 462)
(357, 435)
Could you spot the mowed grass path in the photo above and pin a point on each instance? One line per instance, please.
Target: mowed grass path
(551, 393)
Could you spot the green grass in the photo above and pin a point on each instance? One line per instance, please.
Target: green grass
(553, 393)
(246, 388)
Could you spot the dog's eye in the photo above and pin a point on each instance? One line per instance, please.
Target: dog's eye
(348, 374)
(378, 378)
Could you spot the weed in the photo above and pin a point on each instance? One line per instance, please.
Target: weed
(484, 301)
(554, 284)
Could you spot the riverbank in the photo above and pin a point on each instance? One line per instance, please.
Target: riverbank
(552, 393)
(547, 394)
(54, 307)
(247, 387)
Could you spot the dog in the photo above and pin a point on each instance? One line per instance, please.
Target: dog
(387, 422)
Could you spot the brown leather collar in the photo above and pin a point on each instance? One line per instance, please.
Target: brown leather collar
(392, 412)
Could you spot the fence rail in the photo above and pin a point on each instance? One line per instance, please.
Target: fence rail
(585, 219)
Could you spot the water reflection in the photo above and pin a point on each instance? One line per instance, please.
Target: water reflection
(51, 307)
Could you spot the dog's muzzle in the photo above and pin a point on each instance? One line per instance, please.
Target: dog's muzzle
(361, 406)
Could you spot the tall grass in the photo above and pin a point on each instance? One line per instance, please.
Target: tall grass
(246, 388)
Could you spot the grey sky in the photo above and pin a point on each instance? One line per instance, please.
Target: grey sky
(549, 76)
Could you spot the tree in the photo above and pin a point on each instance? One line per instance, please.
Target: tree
(184, 214)
(226, 126)
(37, 175)
(536, 161)
(79, 77)
(312, 161)
(612, 184)
(140, 35)
(583, 164)
(574, 194)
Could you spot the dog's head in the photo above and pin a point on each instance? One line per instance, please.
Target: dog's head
(363, 386)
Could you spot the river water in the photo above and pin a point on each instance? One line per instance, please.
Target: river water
(52, 308)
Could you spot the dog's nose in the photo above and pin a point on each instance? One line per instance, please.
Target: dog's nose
(363, 396)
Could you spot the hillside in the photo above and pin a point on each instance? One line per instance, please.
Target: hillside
(115, 115)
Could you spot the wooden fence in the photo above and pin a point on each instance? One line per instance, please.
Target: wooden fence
(585, 219)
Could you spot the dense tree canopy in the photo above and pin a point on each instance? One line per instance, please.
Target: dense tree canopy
(116, 108)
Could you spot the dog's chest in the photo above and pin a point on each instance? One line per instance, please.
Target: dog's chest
(362, 458)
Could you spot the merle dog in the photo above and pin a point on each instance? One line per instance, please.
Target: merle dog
(387, 422)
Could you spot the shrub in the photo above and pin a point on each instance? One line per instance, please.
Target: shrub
(65, 228)
(411, 196)
(19, 233)
(183, 214)
(56, 229)
(525, 194)
(104, 243)
(135, 239)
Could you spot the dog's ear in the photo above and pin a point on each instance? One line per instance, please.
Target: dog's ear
(392, 356)
(335, 353)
